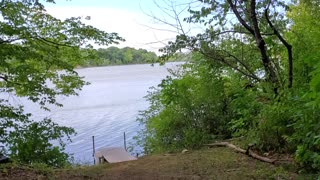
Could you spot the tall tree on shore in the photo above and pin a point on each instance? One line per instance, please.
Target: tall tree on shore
(259, 23)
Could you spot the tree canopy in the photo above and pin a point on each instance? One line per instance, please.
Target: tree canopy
(245, 23)
(38, 54)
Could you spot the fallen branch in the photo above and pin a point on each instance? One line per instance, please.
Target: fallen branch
(261, 158)
(233, 139)
(237, 149)
(226, 144)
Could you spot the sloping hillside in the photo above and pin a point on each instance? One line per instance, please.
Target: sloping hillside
(216, 163)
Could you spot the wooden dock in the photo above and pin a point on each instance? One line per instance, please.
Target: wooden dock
(113, 155)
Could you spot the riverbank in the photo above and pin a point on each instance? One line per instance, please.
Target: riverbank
(215, 163)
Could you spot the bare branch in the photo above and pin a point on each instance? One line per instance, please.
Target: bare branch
(178, 20)
(223, 60)
(243, 64)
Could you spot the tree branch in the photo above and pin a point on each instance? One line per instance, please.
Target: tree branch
(4, 77)
(240, 19)
(9, 41)
(223, 60)
(241, 32)
(243, 64)
(248, 152)
(49, 42)
(178, 20)
(285, 43)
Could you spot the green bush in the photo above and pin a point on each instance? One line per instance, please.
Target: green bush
(33, 143)
(307, 137)
(274, 127)
(187, 110)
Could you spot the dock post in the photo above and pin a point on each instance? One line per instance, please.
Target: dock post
(124, 141)
(93, 151)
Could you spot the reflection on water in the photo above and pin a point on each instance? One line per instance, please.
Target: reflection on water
(106, 108)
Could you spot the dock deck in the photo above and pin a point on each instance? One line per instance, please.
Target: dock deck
(113, 155)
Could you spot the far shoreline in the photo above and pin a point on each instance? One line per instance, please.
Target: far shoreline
(114, 65)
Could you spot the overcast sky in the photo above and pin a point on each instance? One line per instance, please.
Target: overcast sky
(126, 17)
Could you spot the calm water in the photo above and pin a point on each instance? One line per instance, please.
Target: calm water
(107, 107)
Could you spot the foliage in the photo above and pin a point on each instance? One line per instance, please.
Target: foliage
(305, 36)
(32, 143)
(117, 56)
(254, 73)
(38, 53)
(187, 108)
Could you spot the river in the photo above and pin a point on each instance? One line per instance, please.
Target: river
(106, 108)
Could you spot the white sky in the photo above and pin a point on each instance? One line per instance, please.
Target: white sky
(125, 17)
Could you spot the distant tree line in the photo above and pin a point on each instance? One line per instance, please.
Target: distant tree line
(117, 56)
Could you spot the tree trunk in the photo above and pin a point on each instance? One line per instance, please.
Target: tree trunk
(271, 73)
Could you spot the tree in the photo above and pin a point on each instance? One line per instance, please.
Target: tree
(38, 54)
(245, 23)
(127, 57)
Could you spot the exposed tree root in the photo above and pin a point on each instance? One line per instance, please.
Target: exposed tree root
(237, 149)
